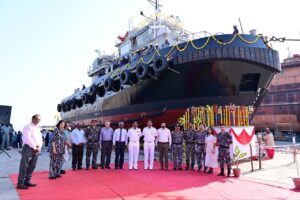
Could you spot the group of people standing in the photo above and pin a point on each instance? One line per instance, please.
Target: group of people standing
(10, 138)
(203, 146)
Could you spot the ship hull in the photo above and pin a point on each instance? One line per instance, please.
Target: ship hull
(166, 98)
(238, 74)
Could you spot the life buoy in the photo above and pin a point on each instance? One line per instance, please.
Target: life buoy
(125, 77)
(108, 84)
(142, 71)
(160, 64)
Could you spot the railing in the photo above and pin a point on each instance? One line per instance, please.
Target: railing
(91, 70)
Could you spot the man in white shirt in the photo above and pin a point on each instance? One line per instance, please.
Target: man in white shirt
(150, 135)
(134, 135)
(119, 142)
(32, 140)
(78, 139)
(164, 140)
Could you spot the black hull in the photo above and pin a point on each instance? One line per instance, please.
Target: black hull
(196, 78)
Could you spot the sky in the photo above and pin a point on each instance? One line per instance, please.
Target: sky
(46, 46)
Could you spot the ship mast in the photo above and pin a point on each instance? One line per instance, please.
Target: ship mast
(155, 4)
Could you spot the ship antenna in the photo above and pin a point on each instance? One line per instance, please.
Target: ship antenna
(241, 25)
(155, 4)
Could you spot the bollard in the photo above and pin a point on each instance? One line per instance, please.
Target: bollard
(259, 155)
(251, 157)
(294, 148)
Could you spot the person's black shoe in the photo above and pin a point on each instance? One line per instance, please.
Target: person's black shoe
(95, 167)
(87, 168)
(180, 169)
(192, 167)
(205, 169)
(30, 184)
(222, 172)
(102, 167)
(174, 168)
(199, 169)
(161, 168)
(107, 167)
(79, 168)
(228, 172)
(62, 171)
(74, 169)
(58, 176)
(52, 177)
(22, 187)
(121, 167)
(167, 169)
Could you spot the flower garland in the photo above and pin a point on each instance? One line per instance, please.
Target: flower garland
(230, 115)
(190, 42)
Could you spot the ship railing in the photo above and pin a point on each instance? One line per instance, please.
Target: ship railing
(92, 70)
(201, 34)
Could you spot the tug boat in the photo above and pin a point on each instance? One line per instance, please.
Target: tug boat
(161, 69)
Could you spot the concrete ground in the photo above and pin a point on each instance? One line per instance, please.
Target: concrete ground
(278, 171)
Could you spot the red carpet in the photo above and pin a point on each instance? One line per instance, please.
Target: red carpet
(145, 184)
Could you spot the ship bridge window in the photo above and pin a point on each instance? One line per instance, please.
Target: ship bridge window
(125, 48)
(96, 62)
(249, 82)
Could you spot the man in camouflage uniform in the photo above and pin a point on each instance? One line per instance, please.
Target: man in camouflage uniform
(92, 145)
(177, 148)
(189, 137)
(200, 137)
(224, 140)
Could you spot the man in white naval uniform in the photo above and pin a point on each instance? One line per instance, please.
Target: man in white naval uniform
(150, 135)
(134, 135)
